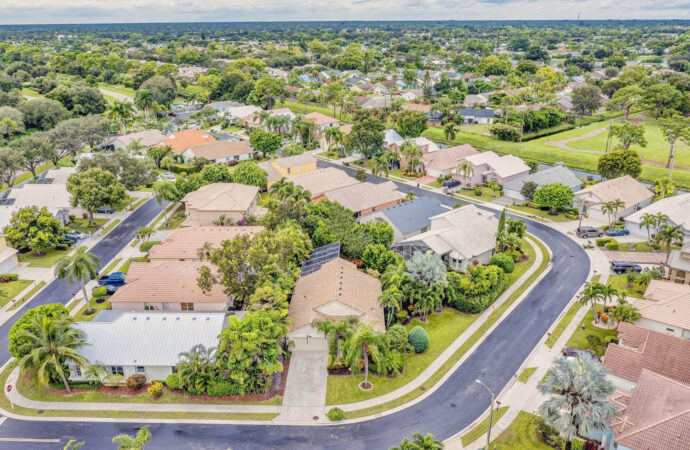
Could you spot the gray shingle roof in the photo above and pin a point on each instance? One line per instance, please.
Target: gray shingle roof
(413, 215)
(471, 112)
(556, 174)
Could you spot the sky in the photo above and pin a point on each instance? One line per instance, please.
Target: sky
(109, 11)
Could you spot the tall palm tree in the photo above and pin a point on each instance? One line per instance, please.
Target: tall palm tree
(663, 186)
(379, 165)
(617, 205)
(449, 131)
(81, 267)
(334, 138)
(648, 221)
(365, 344)
(578, 390)
(395, 275)
(465, 169)
(120, 112)
(410, 152)
(165, 191)
(135, 146)
(661, 220)
(49, 343)
(391, 302)
(348, 105)
(607, 208)
(590, 294)
(144, 100)
(607, 293)
(668, 236)
(127, 442)
(419, 442)
(336, 334)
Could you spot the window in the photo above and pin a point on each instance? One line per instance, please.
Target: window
(76, 371)
(289, 170)
(166, 306)
(148, 307)
(670, 330)
(174, 369)
(116, 370)
(140, 369)
(187, 306)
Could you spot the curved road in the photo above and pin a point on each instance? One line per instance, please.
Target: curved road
(452, 407)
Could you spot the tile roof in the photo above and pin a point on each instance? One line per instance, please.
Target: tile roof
(555, 174)
(221, 197)
(221, 149)
(182, 140)
(147, 138)
(656, 415)
(320, 119)
(667, 303)
(362, 196)
(295, 160)
(183, 243)
(504, 166)
(148, 339)
(323, 180)
(645, 349)
(53, 195)
(448, 158)
(166, 282)
(336, 291)
(413, 215)
(420, 107)
(625, 188)
(677, 208)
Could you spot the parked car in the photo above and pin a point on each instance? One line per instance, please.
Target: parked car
(588, 232)
(617, 232)
(570, 352)
(620, 267)
(113, 279)
(109, 288)
(76, 234)
(451, 183)
(105, 210)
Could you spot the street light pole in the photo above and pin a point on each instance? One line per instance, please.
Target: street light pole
(491, 413)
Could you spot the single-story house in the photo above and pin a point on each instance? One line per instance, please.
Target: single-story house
(320, 181)
(665, 308)
(374, 102)
(191, 72)
(180, 141)
(472, 116)
(146, 138)
(365, 198)
(242, 112)
(392, 140)
(53, 196)
(555, 174)
(8, 256)
(223, 106)
(462, 236)
(408, 218)
(220, 152)
(167, 286)
(129, 343)
(679, 265)
(254, 120)
(489, 166)
(474, 100)
(321, 122)
(183, 244)
(337, 290)
(677, 208)
(631, 192)
(288, 166)
(433, 116)
(444, 161)
(208, 203)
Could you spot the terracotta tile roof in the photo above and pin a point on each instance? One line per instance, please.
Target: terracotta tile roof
(362, 196)
(667, 303)
(641, 349)
(221, 149)
(418, 107)
(320, 119)
(655, 416)
(323, 180)
(336, 291)
(183, 243)
(625, 188)
(182, 140)
(449, 158)
(169, 282)
(221, 197)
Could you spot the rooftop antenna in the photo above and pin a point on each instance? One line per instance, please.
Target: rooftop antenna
(578, 16)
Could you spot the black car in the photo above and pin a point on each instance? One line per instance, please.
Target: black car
(617, 232)
(105, 210)
(69, 238)
(451, 183)
(570, 352)
(620, 267)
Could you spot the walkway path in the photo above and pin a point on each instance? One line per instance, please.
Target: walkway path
(116, 95)
(563, 143)
(637, 257)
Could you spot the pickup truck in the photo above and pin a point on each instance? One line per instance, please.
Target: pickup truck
(114, 279)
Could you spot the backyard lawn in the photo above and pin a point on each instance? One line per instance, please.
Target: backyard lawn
(520, 435)
(49, 258)
(84, 226)
(579, 337)
(621, 284)
(12, 289)
(174, 219)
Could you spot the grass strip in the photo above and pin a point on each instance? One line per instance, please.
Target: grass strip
(526, 374)
(109, 268)
(28, 296)
(565, 321)
(138, 203)
(111, 226)
(481, 429)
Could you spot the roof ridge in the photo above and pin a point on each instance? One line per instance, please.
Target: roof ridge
(659, 422)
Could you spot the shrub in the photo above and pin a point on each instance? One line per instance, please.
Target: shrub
(62, 247)
(397, 337)
(49, 310)
(146, 246)
(474, 291)
(548, 434)
(224, 389)
(612, 246)
(603, 241)
(419, 339)
(401, 316)
(610, 339)
(10, 276)
(136, 381)
(335, 414)
(506, 132)
(504, 261)
(156, 389)
(100, 292)
(112, 380)
(478, 192)
(173, 381)
(517, 255)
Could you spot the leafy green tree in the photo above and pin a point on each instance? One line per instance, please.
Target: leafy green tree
(249, 172)
(81, 266)
(49, 343)
(663, 186)
(366, 136)
(378, 257)
(449, 131)
(95, 188)
(265, 142)
(131, 171)
(628, 133)
(586, 99)
(265, 90)
(16, 341)
(411, 153)
(293, 148)
(43, 113)
(197, 369)
(428, 274)
(663, 98)
(627, 98)
(158, 153)
(555, 196)
(127, 442)
(34, 149)
(365, 345)
(618, 163)
(391, 301)
(625, 312)
(517, 227)
(675, 128)
(11, 161)
(31, 227)
(161, 88)
(411, 123)
(165, 191)
(419, 442)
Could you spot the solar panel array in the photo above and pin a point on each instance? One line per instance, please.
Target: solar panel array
(320, 256)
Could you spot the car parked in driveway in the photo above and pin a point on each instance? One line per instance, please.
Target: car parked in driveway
(571, 352)
(114, 279)
(620, 267)
(105, 210)
(110, 289)
(617, 232)
(76, 234)
(588, 232)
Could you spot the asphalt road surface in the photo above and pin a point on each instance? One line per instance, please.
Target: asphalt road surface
(455, 405)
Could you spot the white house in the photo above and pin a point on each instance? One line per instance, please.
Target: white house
(631, 192)
(471, 116)
(677, 208)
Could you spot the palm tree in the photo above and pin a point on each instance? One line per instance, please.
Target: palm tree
(420, 443)
(334, 138)
(348, 105)
(165, 191)
(364, 344)
(668, 236)
(410, 152)
(391, 302)
(663, 186)
(607, 208)
(135, 146)
(144, 233)
(449, 131)
(336, 334)
(590, 294)
(578, 389)
(648, 221)
(607, 293)
(127, 442)
(465, 169)
(95, 372)
(380, 165)
(395, 275)
(144, 100)
(81, 267)
(196, 368)
(49, 343)
(120, 112)
(661, 220)
(617, 205)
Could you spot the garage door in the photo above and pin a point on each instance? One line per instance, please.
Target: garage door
(311, 344)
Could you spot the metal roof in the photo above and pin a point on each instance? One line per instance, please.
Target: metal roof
(478, 112)
(320, 256)
(413, 215)
(556, 174)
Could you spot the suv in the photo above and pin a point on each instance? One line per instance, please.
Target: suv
(588, 232)
(451, 183)
(620, 267)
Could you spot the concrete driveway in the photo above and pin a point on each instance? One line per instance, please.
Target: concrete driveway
(307, 378)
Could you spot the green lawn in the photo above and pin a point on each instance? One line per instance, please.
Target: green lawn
(540, 213)
(641, 247)
(299, 108)
(109, 268)
(174, 220)
(579, 337)
(520, 435)
(84, 226)
(81, 316)
(30, 92)
(31, 293)
(111, 225)
(526, 374)
(138, 203)
(12, 289)
(481, 429)
(119, 89)
(488, 194)
(621, 284)
(563, 324)
(49, 258)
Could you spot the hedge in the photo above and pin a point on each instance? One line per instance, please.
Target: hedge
(224, 389)
(478, 303)
(10, 276)
(612, 246)
(604, 241)
(504, 261)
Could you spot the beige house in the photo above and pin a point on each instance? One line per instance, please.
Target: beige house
(365, 198)
(321, 122)
(146, 138)
(630, 191)
(679, 265)
(320, 181)
(167, 286)
(207, 204)
(220, 152)
(288, 166)
(665, 308)
(334, 292)
(183, 244)
(445, 161)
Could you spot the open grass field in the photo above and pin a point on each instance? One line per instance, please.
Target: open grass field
(326, 110)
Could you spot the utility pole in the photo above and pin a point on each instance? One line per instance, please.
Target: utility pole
(491, 413)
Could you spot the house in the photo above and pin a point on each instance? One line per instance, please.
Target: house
(205, 205)
(220, 152)
(190, 72)
(555, 174)
(677, 208)
(463, 236)
(129, 343)
(679, 265)
(288, 166)
(367, 88)
(53, 196)
(335, 291)
(146, 138)
(433, 116)
(474, 100)
(488, 166)
(8, 256)
(183, 244)
(320, 181)
(321, 122)
(392, 140)
(640, 349)
(476, 116)
(365, 198)
(631, 192)
(167, 286)
(665, 308)
(180, 141)
(243, 112)
(223, 106)
(408, 218)
(254, 119)
(445, 161)
(374, 102)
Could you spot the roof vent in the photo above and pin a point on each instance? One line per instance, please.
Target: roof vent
(147, 318)
(193, 318)
(134, 318)
(177, 318)
(208, 318)
(165, 318)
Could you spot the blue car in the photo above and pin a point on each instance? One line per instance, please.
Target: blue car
(617, 232)
(114, 279)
